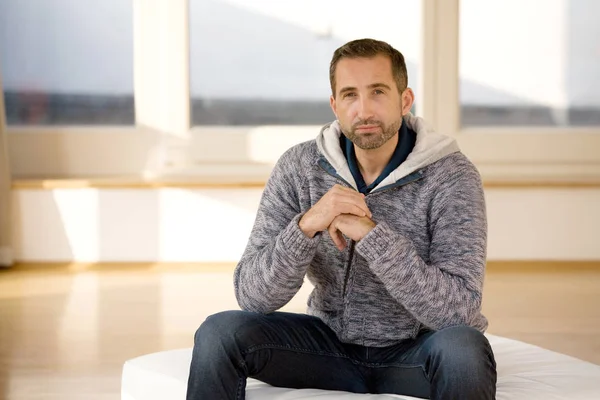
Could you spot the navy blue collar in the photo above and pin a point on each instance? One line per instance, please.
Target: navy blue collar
(406, 142)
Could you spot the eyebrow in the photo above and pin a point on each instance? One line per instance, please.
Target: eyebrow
(371, 86)
(379, 85)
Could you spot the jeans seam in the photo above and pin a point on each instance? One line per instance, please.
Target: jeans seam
(240, 390)
(293, 348)
(386, 365)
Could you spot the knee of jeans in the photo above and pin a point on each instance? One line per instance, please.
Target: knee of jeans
(218, 328)
(461, 345)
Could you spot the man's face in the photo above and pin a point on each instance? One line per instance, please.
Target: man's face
(367, 103)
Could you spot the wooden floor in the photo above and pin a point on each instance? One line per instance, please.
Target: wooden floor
(65, 330)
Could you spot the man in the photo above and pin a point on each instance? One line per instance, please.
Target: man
(387, 220)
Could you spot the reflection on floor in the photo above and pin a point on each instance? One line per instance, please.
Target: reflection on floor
(65, 330)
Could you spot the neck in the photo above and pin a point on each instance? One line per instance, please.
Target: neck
(372, 162)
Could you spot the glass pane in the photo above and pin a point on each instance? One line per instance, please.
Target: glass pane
(530, 62)
(256, 62)
(67, 61)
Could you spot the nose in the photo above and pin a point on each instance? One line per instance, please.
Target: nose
(365, 108)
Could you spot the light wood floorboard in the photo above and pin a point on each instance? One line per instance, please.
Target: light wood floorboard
(65, 330)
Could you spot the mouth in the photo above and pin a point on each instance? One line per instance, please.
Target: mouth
(367, 128)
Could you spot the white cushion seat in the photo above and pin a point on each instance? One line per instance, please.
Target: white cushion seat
(525, 372)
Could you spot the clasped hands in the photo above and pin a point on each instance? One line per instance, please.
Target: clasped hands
(342, 212)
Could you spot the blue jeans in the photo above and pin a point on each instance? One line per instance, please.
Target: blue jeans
(300, 351)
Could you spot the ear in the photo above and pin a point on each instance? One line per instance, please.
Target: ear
(333, 105)
(408, 99)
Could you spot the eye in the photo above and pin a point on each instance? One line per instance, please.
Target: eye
(349, 94)
(377, 91)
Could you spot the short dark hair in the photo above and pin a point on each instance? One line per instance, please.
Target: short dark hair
(369, 48)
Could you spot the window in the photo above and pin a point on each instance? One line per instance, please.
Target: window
(236, 68)
(264, 62)
(67, 62)
(530, 63)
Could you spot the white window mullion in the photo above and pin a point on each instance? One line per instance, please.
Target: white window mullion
(426, 104)
(447, 95)
(161, 67)
(439, 83)
(161, 75)
(5, 184)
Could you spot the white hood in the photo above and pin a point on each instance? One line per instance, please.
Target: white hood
(429, 148)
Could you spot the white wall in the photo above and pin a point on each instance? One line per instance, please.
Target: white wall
(207, 225)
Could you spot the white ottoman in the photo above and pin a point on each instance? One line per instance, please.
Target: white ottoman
(525, 372)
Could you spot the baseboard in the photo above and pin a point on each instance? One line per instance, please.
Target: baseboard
(244, 181)
(493, 266)
(6, 257)
(544, 266)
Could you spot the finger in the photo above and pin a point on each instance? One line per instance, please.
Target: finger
(347, 208)
(362, 204)
(340, 241)
(334, 234)
(358, 201)
(353, 198)
(346, 189)
(337, 237)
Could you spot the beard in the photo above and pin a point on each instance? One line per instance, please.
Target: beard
(371, 140)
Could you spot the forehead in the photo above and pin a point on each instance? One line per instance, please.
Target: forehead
(358, 72)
